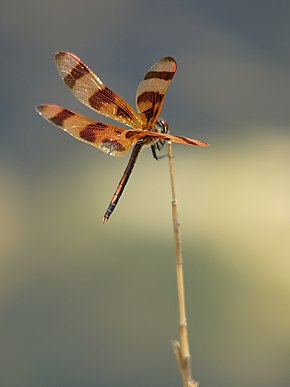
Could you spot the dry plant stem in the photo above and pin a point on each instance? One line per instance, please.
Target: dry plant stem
(181, 347)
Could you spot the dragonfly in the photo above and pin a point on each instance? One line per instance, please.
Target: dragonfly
(146, 126)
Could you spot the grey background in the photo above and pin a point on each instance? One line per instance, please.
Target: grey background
(82, 304)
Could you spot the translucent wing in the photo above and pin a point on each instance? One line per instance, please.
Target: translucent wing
(150, 92)
(91, 91)
(150, 137)
(108, 138)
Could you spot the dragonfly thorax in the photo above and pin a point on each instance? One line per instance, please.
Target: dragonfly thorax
(161, 126)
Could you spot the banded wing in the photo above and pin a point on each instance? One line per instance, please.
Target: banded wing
(151, 91)
(165, 137)
(108, 138)
(91, 91)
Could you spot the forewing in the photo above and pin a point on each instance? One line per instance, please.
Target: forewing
(92, 92)
(108, 138)
(151, 91)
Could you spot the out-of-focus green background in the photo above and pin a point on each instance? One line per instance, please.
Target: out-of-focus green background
(86, 304)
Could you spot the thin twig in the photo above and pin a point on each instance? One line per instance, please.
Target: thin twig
(181, 347)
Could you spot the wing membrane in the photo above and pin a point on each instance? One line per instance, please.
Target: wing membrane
(108, 138)
(151, 91)
(92, 92)
(150, 137)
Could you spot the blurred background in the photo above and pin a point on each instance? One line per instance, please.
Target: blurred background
(87, 304)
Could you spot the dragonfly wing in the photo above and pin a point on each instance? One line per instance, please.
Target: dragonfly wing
(150, 137)
(151, 91)
(88, 88)
(108, 138)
